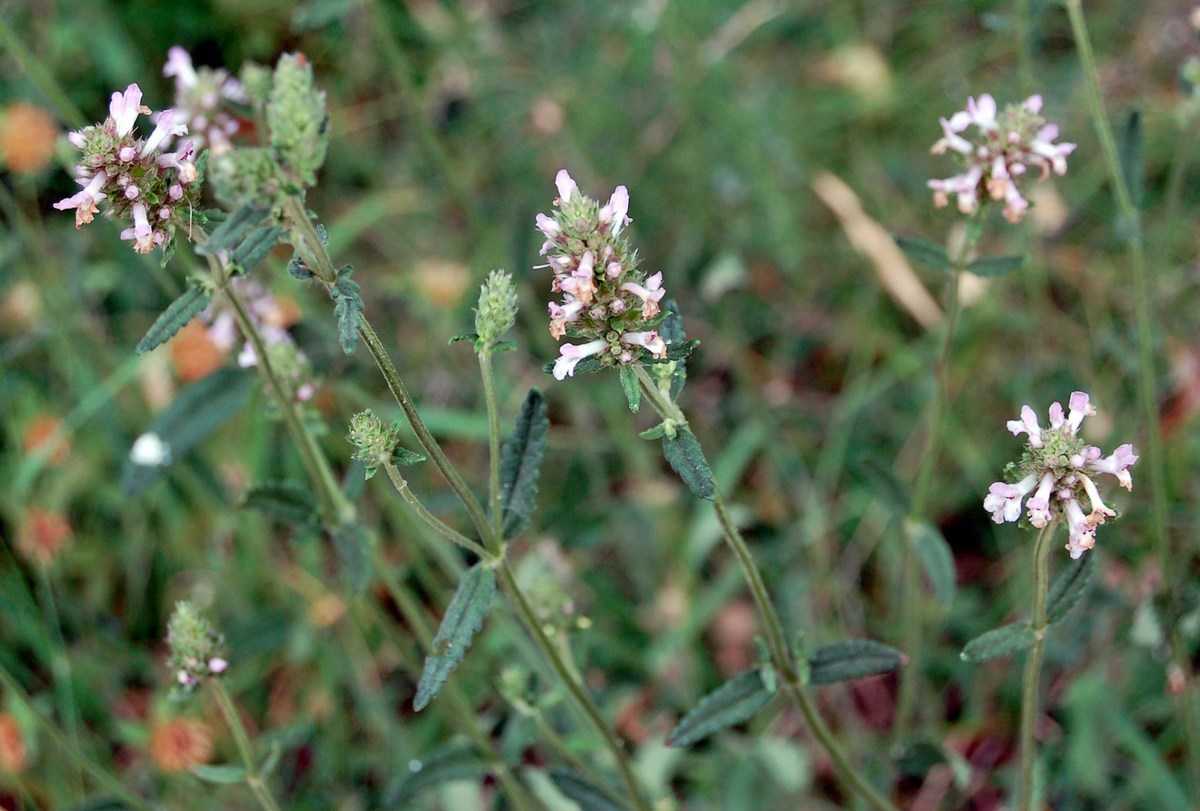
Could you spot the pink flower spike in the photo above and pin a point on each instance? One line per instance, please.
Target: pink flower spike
(125, 107)
(566, 185)
(1118, 465)
(1080, 406)
(1028, 424)
(179, 65)
(571, 354)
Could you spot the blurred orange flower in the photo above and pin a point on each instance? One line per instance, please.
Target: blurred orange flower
(193, 354)
(12, 745)
(178, 744)
(39, 431)
(42, 535)
(27, 136)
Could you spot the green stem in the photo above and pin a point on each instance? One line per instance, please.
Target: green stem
(912, 602)
(253, 779)
(438, 526)
(1033, 664)
(562, 669)
(489, 397)
(61, 667)
(772, 627)
(103, 779)
(63, 106)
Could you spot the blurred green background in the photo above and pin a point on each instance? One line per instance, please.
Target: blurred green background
(448, 123)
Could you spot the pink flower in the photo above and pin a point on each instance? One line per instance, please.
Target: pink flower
(616, 211)
(1028, 424)
(571, 354)
(1004, 500)
(125, 107)
(165, 128)
(141, 233)
(1118, 465)
(650, 295)
(84, 202)
(179, 65)
(1081, 530)
(648, 340)
(548, 226)
(561, 315)
(566, 186)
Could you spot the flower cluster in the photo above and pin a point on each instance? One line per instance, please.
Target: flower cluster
(197, 650)
(200, 94)
(605, 300)
(140, 179)
(999, 154)
(272, 319)
(1055, 468)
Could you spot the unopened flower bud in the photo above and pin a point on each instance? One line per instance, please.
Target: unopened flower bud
(497, 307)
(297, 119)
(376, 440)
(197, 650)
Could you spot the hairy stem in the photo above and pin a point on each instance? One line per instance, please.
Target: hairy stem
(772, 627)
(253, 779)
(1033, 664)
(432, 521)
(489, 396)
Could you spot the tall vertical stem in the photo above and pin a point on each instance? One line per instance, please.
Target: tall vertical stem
(489, 396)
(253, 779)
(1033, 664)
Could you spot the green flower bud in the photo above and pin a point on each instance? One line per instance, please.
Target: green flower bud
(297, 119)
(197, 650)
(245, 175)
(375, 440)
(256, 79)
(497, 307)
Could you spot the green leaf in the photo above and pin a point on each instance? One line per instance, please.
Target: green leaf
(925, 252)
(937, 559)
(584, 793)
(351, 542)
(271, 760)
(686, 457)
(256, 246)
(178, 313)
(732, 703)
(1068, 589)
(348, 309)
(298, 269)
(99, 804)
(197, 412)
(671, 328)
(450, 763)
(633, 391)
(464, 617)
(1002, 641)
(886, 484)
(996, 265)
(657, 432)
(1132, 155)
(402, 457)
(230, 233)
(465, 336)
(852, 659)
(221, 775)
(588, 365)
(520, 464)
(286, 502)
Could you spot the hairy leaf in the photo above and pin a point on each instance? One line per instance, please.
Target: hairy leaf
(686, 458)
(348, 309)
(351, 542)
(996, 265)
(852, 659)
(1069, 587)
(732, 703)
(583, 792)
(937, 560)
(402, 457)
(520, 464)
(178, 313)
(633, 391)
(453, 762)
(256, 246)
(464, 617)
(925, 252)
(287, 502)
(1002, 641)
(230, 233)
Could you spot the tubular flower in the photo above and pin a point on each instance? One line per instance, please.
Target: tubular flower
(997, 157)
(140, 182)
(607, 303)
(1057, 468)
(201, 94)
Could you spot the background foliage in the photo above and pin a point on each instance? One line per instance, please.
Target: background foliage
(448, 122)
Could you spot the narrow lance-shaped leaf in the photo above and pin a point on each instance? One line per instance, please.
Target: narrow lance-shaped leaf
(230, 233)
(1068, 589)
(852, 659)
(584, 793)
(1000, 641)
(633, 391)
(732, 703)
(255, 247)
(348, 309)
(1132, 155)
(282, 501)
(686, 458)
(454, 762)
(996, 265)
(351, 542)
(178, 313)
(464, 617)
(220, 775)
(937, 560)
(925, 252)
(520, 464)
